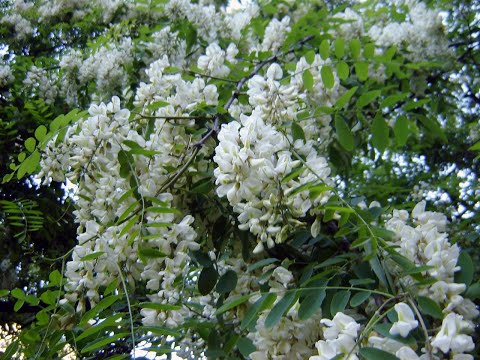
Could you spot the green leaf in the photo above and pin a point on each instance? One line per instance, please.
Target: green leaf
(297, 132)
(359, 298)
(264, 302)
(393, 100)
(465, 275)
(55, 278)
(430, 307)
(345, 98)
(344, 134)
(367, 98)
(103, 342)
(380, 133)
(370, 353)
(307, 80)
(150, 253)
(327, 76)
(311, 303)
(355, 48)
(339, 46)
(4, 293)
(473, 292)
(92, 256)
(343, 70)
(109, 321)
(401, 130)
(293, 175)
(324, 49)
(232, 303)
(280, 309)
(40, 132)
(159, 307)
(310, 57)
(432, 126)
(30, 144)
(227, 282)
(18, 294)
(29, 165)
(361, 69)
(157, 105)
(378, 270)
(261, 263)
(102, 305)
(245, 346)
(207, 280)
(369, 51)
(339, 301)
(18, 305)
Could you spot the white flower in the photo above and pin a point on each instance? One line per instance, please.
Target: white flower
(340, 324)
(450, 337)
(406, 320)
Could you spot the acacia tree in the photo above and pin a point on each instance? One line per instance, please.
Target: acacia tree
(247, 183)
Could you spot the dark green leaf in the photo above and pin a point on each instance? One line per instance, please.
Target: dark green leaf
(227, 282)
(207, 280)
(280, 309)
(297, 132)
(245, 346)
(465, 275)
(339, 301)
(159, 307)
(18, 294)
(232, 303)
(344, 134)
(473, 292)
(261, 263)
(401, 130)
(370, 353)
(264, 302)
(359, 298)
(150, 253)
(380, 133)
(430, 307)
(311, 303)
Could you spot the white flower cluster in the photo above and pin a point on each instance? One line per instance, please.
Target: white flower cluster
(42, 83)
(275, 34)
(253, 158)
(6, 75)
(427, 244)
(107, 67)
(22, 27)
(421, 34)
(212, 63)
(256, 153)
(340, 338)
(167, 42)
(204, 17)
